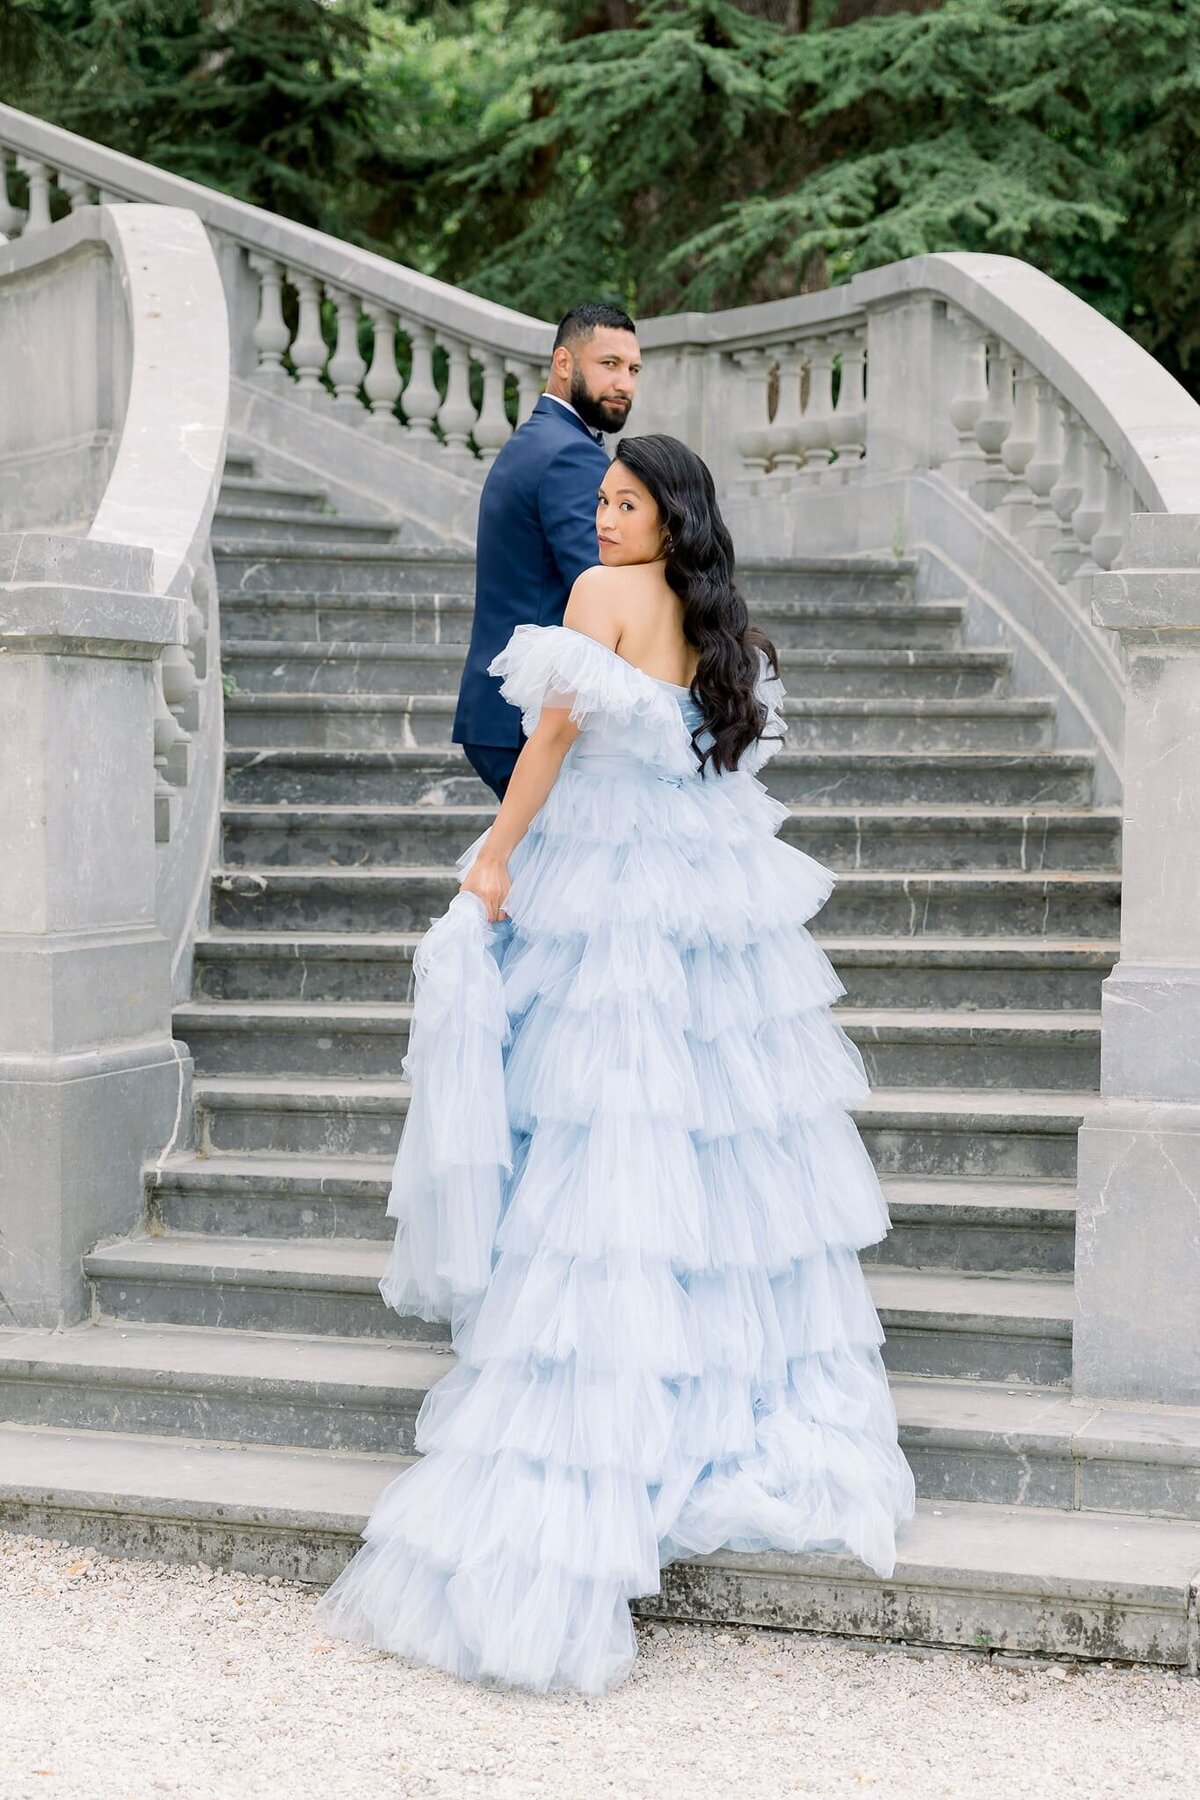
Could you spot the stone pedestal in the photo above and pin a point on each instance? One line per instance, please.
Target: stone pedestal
(91, 1084)
(1137, 1283)
(912, 359)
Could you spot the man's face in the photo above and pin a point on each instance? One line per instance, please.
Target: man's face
(604, 376)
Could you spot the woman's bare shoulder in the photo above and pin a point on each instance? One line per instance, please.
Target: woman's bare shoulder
(599, 602)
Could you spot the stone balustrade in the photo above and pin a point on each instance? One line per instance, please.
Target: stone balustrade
(790, 394)
(114, 366)
(344, 332)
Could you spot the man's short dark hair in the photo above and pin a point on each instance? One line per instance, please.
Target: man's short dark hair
(579, 324)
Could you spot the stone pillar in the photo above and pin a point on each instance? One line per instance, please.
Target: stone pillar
(91, 1084)
(1137, 1276)
(912, 363)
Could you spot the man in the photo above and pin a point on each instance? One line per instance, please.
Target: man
(537, 518)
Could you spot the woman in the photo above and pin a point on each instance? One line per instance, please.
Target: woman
(629, 1176)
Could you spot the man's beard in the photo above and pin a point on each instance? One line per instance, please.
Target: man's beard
(594, 412)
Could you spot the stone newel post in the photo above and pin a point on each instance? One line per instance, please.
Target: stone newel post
(91, 1083)
(1137, 1284)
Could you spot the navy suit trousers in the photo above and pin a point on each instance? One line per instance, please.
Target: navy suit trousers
(493, 763)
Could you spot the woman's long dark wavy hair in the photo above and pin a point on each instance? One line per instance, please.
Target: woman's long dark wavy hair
(699, 567)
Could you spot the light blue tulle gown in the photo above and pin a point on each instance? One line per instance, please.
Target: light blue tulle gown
(630, 1181)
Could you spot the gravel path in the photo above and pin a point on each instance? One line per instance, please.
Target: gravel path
(129, 1681)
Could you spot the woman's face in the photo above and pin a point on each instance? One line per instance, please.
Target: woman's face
(627, 519)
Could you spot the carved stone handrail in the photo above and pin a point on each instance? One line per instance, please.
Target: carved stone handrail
(162, 489)
(114, 361)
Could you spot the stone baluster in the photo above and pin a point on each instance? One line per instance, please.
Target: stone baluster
(492, 429)
(200, 615)
(38, 176)
(457, 413)
(1063, 553)
(271, 334)
(346, 365)
(753, 441)
(1118, 505)
(968, 403)
(529, 387)
(421, 397)
(783, 433)
(177, 681)
(1042, 470)
(1018, 449)
(10, 216)
(1087, 517)
(77, 189)
(382, 382)
(848, 433)
(993, 426)
(169, 737)
(309, 349)
(816, 427)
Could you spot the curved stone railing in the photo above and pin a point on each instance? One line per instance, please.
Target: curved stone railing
(117, 386)
(407, 357)
(115, 376)
(1021, 395)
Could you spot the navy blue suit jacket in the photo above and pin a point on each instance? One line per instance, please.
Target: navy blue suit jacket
(536, 534)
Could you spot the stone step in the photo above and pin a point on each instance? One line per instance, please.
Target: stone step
(972, 974)
(294, 1037)
(305, 1392)
(975, 1327)
(436, 616)
(991, 1227)
(232, 965)
(951, 974)
(1066, 903)
(282, 567)
(974, 1132)
(265, 665)
(983, 1226)
(247, 523)
(299, 1116)
(1029, 779)
(881, 837)
(231, 1195)
(1037, 1447)
(257, 491)
(900, 1049)
(966, 1441)
(989, 1327)
(406, 721)
(240, 463)
(311, 1286)
(1035, 1582)
(262, 570)
(1007, 1049)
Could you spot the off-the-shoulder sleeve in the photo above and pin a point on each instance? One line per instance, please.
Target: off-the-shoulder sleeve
(551, 665)
(768, 690)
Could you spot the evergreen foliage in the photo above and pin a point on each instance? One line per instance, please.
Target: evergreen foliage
(668, 153)
(262, 98)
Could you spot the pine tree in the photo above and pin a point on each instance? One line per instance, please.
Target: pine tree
(261, 98)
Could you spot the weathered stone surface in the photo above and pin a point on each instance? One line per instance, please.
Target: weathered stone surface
(1139, 1211)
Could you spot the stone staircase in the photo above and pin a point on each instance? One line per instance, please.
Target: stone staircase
(242, 1392)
